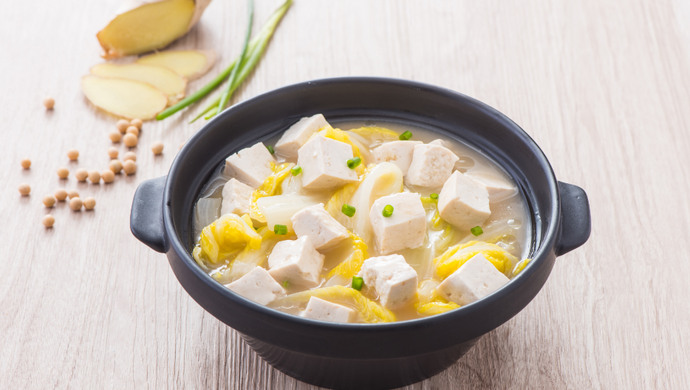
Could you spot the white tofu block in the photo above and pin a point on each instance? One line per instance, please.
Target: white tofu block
(439, 142)
(396, 152)
(297, 262)
(324, 163)
(298, 134)
(258, 286)
(321, 228)
(251, 166)
(319, 309)
(431, 166)
(236, 198)
(473, 281)
(406, 228)
(499, 188)
(463, 202)
(393, 279)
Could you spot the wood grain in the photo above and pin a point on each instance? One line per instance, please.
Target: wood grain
(602, 86)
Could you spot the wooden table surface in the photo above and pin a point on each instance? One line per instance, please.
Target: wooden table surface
(602, 86)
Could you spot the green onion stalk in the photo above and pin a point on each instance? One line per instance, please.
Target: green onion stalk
(255, 49)
(233, 75)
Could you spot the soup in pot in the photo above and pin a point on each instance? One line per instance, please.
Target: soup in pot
(366, 223)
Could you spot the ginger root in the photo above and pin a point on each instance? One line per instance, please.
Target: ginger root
(145, 25)
(191, 64)
(167, 81)
(125, 98)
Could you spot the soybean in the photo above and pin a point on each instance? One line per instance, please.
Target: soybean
(75, 204)
(89, 203)
(130, 167)
(94, 177)
(49, 200)
(130, 140)
(24, 189)
(81, 174)
(48, 220)
(60, 194)
(63, 172)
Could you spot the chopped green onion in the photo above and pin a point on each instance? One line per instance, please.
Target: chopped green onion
(270, 149)
(227, 93)
(387, 211)
(296, 170)
(357, 283)
(433, 196)
(354, 162)
(348, 210)
(280, 230)
(405, 136)
(286, 283)
(477, 230)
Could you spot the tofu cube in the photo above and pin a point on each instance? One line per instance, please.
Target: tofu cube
(473, 281)
(258, 285)
(236, 198)
(251, 166)
(396, 152)
(439, 142)
(319, 309)
(324, 163)
(296, 262)
(321, 228)
(393, 279)
(406, 228)
(463, 202)
(498, 188)
(431, 166)
(298, 134)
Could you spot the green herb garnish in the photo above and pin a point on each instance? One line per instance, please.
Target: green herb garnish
(387, 211)
(280, 230)
(357, 283)
(296, 170)
(348, 210)
(354, 162)
(477, 230)
(405, 136)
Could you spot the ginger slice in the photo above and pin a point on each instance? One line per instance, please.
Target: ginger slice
(191, 64)
(167, 81)
(145, 25)
(126, 98)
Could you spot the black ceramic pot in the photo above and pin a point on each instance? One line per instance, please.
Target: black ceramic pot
(361, 356)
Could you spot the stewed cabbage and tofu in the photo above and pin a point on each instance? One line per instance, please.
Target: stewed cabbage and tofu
(377, 223)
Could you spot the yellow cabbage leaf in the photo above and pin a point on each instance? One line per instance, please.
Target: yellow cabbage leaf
(445, 239)
(270, 187)
(224, 238)
(250, 258)
(375, 133)
(342, 196)
(456, 256)
(520, 266)
(351, 266)
(368, 310)
(429, 302)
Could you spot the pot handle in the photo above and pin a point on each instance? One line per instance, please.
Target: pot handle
(576, 223)
(146, 219)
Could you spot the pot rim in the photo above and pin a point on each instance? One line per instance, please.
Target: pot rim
(539, 256)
